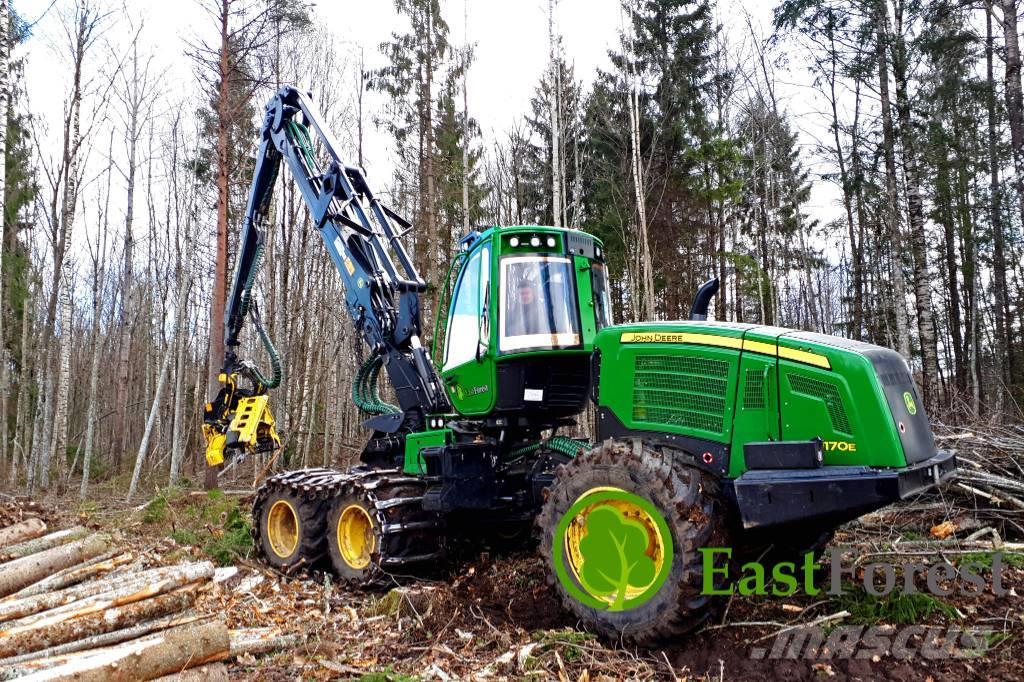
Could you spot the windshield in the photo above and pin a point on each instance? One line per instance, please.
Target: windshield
(538, 303)
(602, 299)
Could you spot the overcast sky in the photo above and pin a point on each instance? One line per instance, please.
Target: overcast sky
(511, 49)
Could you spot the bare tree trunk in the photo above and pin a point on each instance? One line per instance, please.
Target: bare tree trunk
(22, 435)
(429, 202)
(892, 212)
(90, 430)
(177, 436)
(140, 458)
(1014, 98)
(646, 264)
(556, 150)
(915, 210)
(161, 379)
(127, 286)
(60, 415)
(5, 387)
(465, 126)
(1004, 352)
(216, 356)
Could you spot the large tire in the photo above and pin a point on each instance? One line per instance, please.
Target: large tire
(289, 530)
(686, 499)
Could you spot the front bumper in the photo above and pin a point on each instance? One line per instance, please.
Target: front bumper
(831, 495)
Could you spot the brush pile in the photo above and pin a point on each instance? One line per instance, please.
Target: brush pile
(991, 471)
(74, 604)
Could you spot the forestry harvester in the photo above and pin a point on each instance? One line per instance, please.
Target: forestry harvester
(727, 434)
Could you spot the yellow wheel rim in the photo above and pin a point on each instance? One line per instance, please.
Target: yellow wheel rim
(577, 530)
(283, 529)
(355, 536)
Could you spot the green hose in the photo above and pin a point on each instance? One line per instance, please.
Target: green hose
(364, 388)
(562, 444)
(567, 446)
(301, 136)
(374, 389)
(276, 366)
(257, 263)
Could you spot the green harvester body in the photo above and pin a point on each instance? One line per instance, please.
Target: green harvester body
(834, 427)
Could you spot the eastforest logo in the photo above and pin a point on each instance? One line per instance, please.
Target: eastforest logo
(612, 550)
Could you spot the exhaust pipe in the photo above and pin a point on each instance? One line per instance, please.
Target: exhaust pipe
(706, 291)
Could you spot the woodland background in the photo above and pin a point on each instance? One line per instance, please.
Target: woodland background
(118, 241)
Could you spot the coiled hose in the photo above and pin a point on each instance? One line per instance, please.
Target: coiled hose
(365, 392)
(563, 444)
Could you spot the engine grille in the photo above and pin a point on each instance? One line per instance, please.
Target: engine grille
(826, 392)
(680, 391)
(753, 391)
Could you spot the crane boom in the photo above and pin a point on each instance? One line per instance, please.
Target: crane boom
(382, 287)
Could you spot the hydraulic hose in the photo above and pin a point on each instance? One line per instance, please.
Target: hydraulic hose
(245, 305)
(567, 446)
(276, 366)
(364, 388)
(562, 444)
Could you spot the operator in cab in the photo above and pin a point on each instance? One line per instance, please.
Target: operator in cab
(526, 315)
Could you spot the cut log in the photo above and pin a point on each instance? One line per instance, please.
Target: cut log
(57, 655)
(110, 592)
(215, 672)
(261, 641)
(20, 532)
(60, 537)
(22, 572)
(73, 575)
(72, 625)
(165, 653)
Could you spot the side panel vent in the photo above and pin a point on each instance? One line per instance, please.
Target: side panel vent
(828, 394)
(681, 391)
(753, 391)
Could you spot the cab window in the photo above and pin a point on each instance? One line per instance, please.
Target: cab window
(539, 307)
(602, 297)
(466, 321)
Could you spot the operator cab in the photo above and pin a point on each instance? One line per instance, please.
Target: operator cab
(523, 308)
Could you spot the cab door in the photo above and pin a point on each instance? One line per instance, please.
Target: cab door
(468, 365)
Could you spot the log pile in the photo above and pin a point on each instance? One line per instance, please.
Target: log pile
(76, 605)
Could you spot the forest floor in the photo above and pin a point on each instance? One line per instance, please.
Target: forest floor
(495, 617)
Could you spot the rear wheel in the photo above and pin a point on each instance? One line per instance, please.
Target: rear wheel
(289, 530)
(633, 497)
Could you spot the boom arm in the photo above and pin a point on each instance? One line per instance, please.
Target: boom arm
(381, 284)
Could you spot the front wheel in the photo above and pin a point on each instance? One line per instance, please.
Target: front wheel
(621, 531)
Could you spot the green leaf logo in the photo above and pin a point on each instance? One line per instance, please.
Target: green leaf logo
(612, 550)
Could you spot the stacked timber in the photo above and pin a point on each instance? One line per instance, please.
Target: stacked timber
(75, 605)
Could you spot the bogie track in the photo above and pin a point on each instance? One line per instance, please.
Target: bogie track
(368, 523)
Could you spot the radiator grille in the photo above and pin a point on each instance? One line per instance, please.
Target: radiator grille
(827, 393)
(753, 391)
(680, 391)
